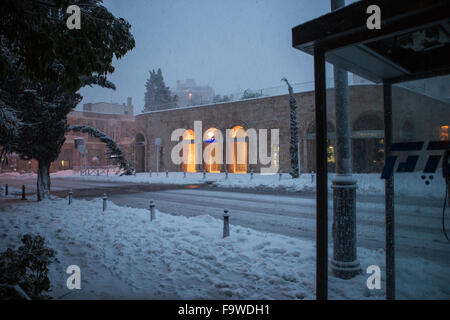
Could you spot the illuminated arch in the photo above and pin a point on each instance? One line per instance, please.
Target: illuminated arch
(212, 150)
(189, 151)
(237, 151)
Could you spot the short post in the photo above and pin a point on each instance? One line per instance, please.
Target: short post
(105, 198)
(312, 177)
(23, 193)
(280, 175)
(6, 190)
(184, 174)
(152, 210)
(107, 171)
(98, 172)
(70, 196)
(204, 174)
(226, 174)
(226, 223)
(167, 174)
(251, 175)
(150, 174)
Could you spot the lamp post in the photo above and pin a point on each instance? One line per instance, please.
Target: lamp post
(344, 263)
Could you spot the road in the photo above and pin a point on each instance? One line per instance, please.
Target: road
(418, 221)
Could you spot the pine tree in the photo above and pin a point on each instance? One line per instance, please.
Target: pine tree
(293, 147)
(157, 95)
(43, 65)
(42, 109)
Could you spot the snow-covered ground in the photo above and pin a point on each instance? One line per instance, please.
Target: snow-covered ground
(406, 184)
(122, 254)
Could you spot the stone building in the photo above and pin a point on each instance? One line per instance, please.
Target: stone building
(146, 138)
(154, 130)
(110, 108)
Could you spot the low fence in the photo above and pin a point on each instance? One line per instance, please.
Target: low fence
(96, 171)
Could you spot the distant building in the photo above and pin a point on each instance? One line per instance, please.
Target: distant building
(190, 94)
(115, 120)
(110, 108)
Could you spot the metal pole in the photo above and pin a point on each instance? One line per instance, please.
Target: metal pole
(70, 196)
(105, 198)
(6, 190)
(321, 186)
(298, 159)
(184, 174)
(251, 175)
(226, 223)
(345, 263)
(152, 210)
(23, 193)
(226, 174)
(389, 197)
(157, 160)
(204, 174)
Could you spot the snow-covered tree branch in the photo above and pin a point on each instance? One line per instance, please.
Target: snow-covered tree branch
(293, 148)
(115, 149)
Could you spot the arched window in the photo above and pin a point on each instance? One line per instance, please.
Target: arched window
(212, 150)
(139, 152)
(311, 147)
(189, 151)
(237, 157)
(368, 144)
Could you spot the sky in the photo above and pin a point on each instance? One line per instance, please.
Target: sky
(231, 45)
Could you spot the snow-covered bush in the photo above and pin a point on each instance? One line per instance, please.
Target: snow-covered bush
(28, 266)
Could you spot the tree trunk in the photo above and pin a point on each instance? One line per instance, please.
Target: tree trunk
(43, 181)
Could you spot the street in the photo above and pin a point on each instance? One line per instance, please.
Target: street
(418, 224)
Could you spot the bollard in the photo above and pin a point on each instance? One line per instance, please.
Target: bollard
(23, 193)
(312, 177)
(167, 174)
(251, 175)
(150, 173)
(226, 174)
(98, 172)
(204, 174)
(184, 173)
(70, 196)
(226, 223)
(152, 210)
(105, 197)
(6, 190)
(107, 172)
(279, 176)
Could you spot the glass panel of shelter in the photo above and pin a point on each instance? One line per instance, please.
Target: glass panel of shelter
(421, 120)
(356, 199)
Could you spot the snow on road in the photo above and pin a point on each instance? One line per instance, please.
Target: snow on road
(406, 184)
(123, 255)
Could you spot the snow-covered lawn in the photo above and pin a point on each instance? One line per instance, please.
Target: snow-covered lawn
(406, 184)
(122, 254)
